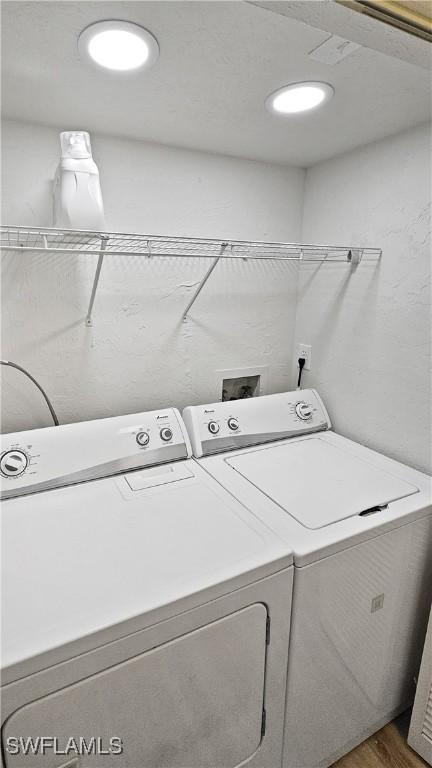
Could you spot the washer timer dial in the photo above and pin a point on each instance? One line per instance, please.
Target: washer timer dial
(143, 438)
(166, 434)
(233, 424)
(303, 411)
(13, 463)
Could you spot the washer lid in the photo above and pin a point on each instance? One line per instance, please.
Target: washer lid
(317, 483)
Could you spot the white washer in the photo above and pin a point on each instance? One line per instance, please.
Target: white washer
(146, 606)
(360, 526)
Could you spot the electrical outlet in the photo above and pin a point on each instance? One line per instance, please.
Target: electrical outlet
(304, 350)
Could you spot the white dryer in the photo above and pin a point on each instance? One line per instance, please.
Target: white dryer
(145, 612)
(360, 526)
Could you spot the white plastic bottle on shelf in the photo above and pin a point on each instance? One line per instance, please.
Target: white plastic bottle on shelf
(78, 200)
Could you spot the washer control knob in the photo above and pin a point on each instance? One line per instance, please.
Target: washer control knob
(166, 434)
(143, 438)
(233, 424)
(213, 427)
(303, 411)
(13, 463)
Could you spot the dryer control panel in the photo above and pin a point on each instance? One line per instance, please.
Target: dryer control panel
(40, 459)
(236, 424)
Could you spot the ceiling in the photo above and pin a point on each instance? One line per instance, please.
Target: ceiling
(337, 17)
(218, 62)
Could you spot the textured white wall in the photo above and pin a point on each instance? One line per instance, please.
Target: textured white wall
(139, 354)
(371, 329)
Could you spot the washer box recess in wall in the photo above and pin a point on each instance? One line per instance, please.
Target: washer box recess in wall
(262, 371)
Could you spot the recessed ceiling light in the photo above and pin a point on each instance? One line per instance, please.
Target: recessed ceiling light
(299, 97)
(118, 45)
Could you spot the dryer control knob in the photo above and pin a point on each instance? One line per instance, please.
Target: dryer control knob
(213, 427)
(13, 463)
(233, 424)
(166, 434)
(303, 411)
(143, 438)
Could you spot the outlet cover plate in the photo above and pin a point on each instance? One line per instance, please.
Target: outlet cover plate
(304, 350)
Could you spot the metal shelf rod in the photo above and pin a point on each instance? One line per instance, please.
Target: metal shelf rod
(204, 280)
(104, 243)
(173, 254)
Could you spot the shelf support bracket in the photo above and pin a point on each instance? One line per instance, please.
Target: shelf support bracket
(224, 246)
(354, 256)
(104, 243)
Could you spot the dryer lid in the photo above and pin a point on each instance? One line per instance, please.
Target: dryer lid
(86, 564)
(317, 483)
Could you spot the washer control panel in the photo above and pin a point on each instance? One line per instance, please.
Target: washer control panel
(41, 459)
(225, 426)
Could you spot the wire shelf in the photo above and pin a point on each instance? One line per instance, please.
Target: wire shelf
(62, 240)
(24, 239)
